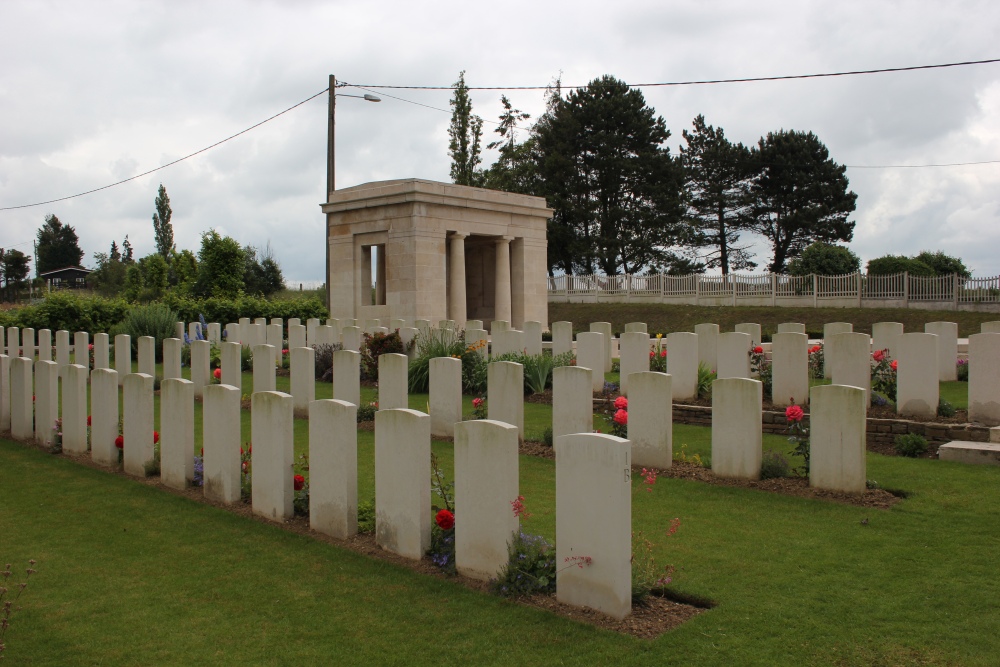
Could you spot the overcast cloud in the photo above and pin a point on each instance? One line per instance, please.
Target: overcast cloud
(91, 93)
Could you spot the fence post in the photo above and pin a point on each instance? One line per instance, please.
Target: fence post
(859, 289)
(628, 288)
(815, 290)
(774, 290)
(697, 289)
(906, 289)
(663, 287)
(732, 278)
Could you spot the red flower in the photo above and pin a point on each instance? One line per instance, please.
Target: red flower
(621, 403)
(88, 420)
(156, 437)
(894, 364)
(90, 347)
(217, 373)
(299, 482)
(758, 350)
(285, 351)
(793, 413)
(621, 417)
(651, 354)
(120, 442)
(445, 520)
(878, 355)
(477, 402)
(663, 352)
(814, 349)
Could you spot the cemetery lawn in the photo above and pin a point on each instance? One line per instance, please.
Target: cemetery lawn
(129, 573)
(662, 318)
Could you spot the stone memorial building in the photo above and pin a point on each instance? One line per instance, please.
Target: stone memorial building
(439, 252)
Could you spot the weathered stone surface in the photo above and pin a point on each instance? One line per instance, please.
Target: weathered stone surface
(4, 390)
(848, 356)
(947, 333)
(604, 328)
(984, 378)
(176, 432)
(46, 400)
(590, 351)
(562, 338)
(147, 355)
(137, 426)
(594, 522)
(303, 377)
(506, 342)
(351, 338)
(172, 358)
(44, 344)
(837, 437)
(733, 355)
(74, 409)
(231, 359)
(736, 428)
(263, 368)
(885, 336)
(478, 339)
(917, 391)
(62, 347)
(532, 337)
(505, 394)
(572, 400)
(333, 468)
(104, 416)
(347, 376)
(633, 357)
(682, 364)
(650, 420)
(791, 327)
(445, 395)
(976, 453)
(831, 329)
(28, 343)
(201, 369)
(123, 355)
(708, 345)
(403, 482)
(22, 426)
(102, 357)
(272, 458)
(636, 327)
(990, 327)
(751, 329)
(296, 336)
(392, 382)
(789, 369)
(221, 442)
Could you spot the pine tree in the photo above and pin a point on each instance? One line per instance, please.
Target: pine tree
(58, 246)
(127, 257)
(163, 231)
(114, 255)
(465, 136)
(514, 170)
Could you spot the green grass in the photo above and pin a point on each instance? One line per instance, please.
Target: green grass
(662, 318)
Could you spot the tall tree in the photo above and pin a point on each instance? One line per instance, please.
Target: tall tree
(465, 137)
(800, 195)
(612, 182)
(15, 268)
(127, 257)
(220, 266)
(717, 177)
(58, 246)
(115, 254)
(163, 231)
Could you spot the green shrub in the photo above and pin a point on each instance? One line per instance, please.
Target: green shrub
(323, 358)
(547, 438)
(64, 310)
(154, 319)
(366, 516)
(366, 412)
(962, 369)
(892, 264)
(911, 445)
(774, 465)
(824, 259)
(224, 311)
(246, 358)
(436, 343)
(705, 378)
(530, 567)
(945, 409)
(374, 346)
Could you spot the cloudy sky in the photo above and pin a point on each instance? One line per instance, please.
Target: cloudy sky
(95, 92)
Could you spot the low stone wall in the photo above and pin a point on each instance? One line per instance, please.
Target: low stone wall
(880, 431)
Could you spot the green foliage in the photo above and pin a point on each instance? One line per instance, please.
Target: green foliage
(547, 437)
(774, 465)
(911, 445)
(154, 319)
(538, 372)
(147, 280)
(962, 370)
(705, 378)
(800, 195)
(366, 412)
(183, 271)
(883, 375)
(374, 346)
(825, 259)
(530, 567)
(163, 231)
(261, 273)
(944, 265)
(14, 270)
(945, 409)
(514, 170)
(226, 310)
(221, 266)
(891, 264)
(58, 246)
(646, 574)
(151, 468)
(366, 516)
(108, 279)
(608, 175)
(323, 358)
(65, 310)
(440, 343)
(465, 136)
(798, 435)
(717, 178)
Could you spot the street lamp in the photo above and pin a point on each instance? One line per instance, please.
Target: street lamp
(331, 163)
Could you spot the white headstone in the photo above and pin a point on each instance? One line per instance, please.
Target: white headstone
(46, 400)
(81, 349)
(508, 341)
(102, 356)
(74, 409)
(312, 324)
(28, 343)
(837, 437)
(505, 394)
(263, 368)
(62, 347)
(594, 522)
(445, 395)
(232, 333)
(347, 376)
(214, 332)
(789, 369)
(791, 327)
(590, 351)
(633, 357)
(733, 355)
(532, 338)
(885, 336)
(682, 364)
(990, 327)
(478, 339)
(274, 339)
(917, 389)
(221, 442)
(104, 416)
(831, 329)
(303, 380)
(147, 355)
(201, 369)
(572, 400)
(604, 328)
(137, 426)
(44, 344)
(650, 420)
(848, 356)
(296, 336)
(172, 358)
(176, 432)
(22, 425)
(123, 356)
(736, 428)
(403, 482)
(231, 358)
(751, 329)
(333, 468)
(407, 335)
(271, 424)
(562, 338)
(351, 338)
(4, 391)
(984, 378)
(708, 345)
(636, 327)
(392, 382)
(947, 333)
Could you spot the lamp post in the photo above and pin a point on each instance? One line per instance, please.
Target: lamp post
(331, 164)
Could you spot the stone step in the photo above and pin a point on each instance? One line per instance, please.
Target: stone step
(963, 451)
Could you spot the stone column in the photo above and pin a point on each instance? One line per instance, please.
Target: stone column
(517, 284)
(501, 300)
(456, 279)
(380, 273)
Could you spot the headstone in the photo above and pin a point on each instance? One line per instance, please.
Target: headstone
(650, 420)
(4, 390)
(176, 432)
(274, 339)
(312, 324)
(351, 338)
(333, 468)
(486, 482)
(733, 355)
(445, 395)
(380, 330)
(263, 368)
(990, 327)
(246, 335)
(74, 409)
(499, 325)
(594, 522)
(984, 378)
(837, 437)
(231, 358)
(221, 442)
(791, 327)
(708, 345)
(447, 324)
(137, 423)
(147, 355)
(81, 349)
(590, 350)
(303, 377)
(473, 324)
(572, 400)
(261, 322)
(296, 336)
(179, 330)
(201, 369)
(885, 336)
(123, 356)
(232, 333)
(478, 340)
(46, 400)
(194, 328)
(277, 322)
(562, 338)
(371, 325)
(851, 360)
(44, 344)
(28, 343)
(634, 357)
(273, 454)
(172, 358)
(403, 482)
(423, 326)
(507, 341)
(396, 323)
(62, 348)
(736, 428)
(214, 333)
(947, 333)
(347, 376)
(604, 328)
(831, 329)
(407, 335)
(789, 369)
(751, 329)
(104, 416)
(917, 388)
(505, 394)
(392, 382)
(636, 327)
(532, 338)
(22, 424)
(14, 339)
(102, 356)
(682, 364)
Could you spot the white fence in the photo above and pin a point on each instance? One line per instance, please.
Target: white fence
(857, 290)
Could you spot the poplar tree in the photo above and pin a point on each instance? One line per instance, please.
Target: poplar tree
(163, 231)
(465, 137)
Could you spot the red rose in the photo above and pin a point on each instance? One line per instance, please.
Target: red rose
(120, 442)
(894, 364)
(621, 417)
(663, 353)
(477, 402)
(88, 420)
(621, 403)
(793, 413)
(299, 482)
(217, 373)
(878, 355)
(758, 350)
(156, 437)
(445, 520)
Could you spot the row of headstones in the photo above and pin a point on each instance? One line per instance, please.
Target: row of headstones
(592, 470)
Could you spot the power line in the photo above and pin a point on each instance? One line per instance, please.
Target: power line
(918, 166)
(169, 164)
(702, 82)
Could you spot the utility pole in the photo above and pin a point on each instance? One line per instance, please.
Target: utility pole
(330, 179)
